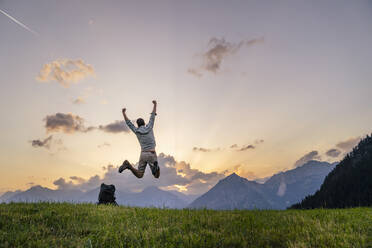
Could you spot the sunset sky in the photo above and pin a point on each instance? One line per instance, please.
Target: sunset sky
(252, 87)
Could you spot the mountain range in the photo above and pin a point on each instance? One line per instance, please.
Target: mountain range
(233, 192)
(279, 192)
(149, 197)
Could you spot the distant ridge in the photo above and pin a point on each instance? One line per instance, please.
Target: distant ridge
(349, 184)
(149, 197)
(39, 193)
(233, 192)
(279, 192)
(292, 186)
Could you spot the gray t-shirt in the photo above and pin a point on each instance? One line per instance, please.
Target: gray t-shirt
(145, 134)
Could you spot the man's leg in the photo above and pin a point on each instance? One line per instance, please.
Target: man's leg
(138, 173)
(154, 165)
(157, 173)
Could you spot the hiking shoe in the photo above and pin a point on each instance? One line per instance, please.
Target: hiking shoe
(155, 168)
(124, 166)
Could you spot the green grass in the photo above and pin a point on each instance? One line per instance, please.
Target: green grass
(86, 225)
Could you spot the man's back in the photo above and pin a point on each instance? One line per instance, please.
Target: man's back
(145, 134)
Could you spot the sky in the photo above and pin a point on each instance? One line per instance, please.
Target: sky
(251, 87)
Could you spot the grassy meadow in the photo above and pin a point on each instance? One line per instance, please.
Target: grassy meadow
(87, 225)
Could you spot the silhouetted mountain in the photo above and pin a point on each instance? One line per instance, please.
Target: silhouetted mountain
(149, 197)
(281, 190)
(7, 195)
(90, 196)
(186, 198)
(234, 192)
(38, 193)
(262, 180)
(349, 184)
(289, 187)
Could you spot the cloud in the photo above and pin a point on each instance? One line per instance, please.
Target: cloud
(245, 148)
(172, 173)
(79, 100)
(78, 183)
(234, 147)
(49, 143)
(77, 179)
(349, 144)
(42, 143)
(196, 181)
(334, 153)
(66, 123)
(61, 183)
(115, 127)
(313, 155)
(202, 149)
(218, 51)
(343, 147)
(65, 71)
(70, 123)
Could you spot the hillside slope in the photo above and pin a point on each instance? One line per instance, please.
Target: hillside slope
(292, 186)
(88, 225)
(349, 184)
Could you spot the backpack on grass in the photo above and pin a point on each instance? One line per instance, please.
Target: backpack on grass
(107, 194)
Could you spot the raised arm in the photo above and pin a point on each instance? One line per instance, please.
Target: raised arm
(129, 123)
(153, 113)
(154, 108)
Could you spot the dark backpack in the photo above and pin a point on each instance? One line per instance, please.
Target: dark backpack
(107, 194)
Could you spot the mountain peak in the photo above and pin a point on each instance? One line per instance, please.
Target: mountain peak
(233, 175)
(37, 187)
(233, 178)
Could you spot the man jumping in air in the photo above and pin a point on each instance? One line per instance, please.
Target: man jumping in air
(145, 136)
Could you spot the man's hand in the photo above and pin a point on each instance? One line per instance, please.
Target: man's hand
(154, 108)
(124, 114)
